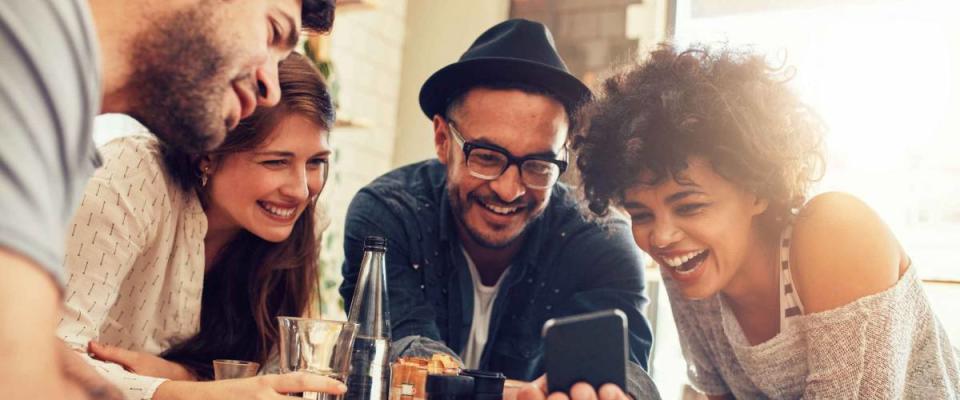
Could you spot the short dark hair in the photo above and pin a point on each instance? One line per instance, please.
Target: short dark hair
(456, 100)
(317, 15)
(726, 106)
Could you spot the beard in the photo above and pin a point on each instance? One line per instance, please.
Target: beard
(495, 239)
(179, 80)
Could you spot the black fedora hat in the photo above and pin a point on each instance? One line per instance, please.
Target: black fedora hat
(515, 50)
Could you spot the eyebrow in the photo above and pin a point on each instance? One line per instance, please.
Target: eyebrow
(634, 204)
(544, 154)
(673, 198)
(287, 154)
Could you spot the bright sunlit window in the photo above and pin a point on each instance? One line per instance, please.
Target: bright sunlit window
(885, 76)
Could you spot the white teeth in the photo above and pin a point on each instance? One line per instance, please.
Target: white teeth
(500, 210)
(675, 262)
(280, 212)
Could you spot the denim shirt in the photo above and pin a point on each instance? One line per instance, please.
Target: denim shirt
(568, 265)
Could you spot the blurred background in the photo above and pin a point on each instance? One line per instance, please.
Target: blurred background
(884, 74)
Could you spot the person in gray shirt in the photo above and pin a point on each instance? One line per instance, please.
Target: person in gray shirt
(188, 70)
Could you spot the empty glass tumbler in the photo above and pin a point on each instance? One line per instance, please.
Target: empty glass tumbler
(316, 346)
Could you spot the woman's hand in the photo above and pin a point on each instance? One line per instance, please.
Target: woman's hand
(140, 363)
(537, 390)
(263, 387)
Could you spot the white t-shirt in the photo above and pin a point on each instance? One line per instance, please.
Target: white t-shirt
(483, 298)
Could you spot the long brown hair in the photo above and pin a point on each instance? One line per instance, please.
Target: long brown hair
(252, 281)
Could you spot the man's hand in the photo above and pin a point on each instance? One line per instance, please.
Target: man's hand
(537, 390)
(83, 382)
(140, 363)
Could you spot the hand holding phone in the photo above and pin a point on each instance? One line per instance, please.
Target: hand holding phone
(589, 348)
(537, 390)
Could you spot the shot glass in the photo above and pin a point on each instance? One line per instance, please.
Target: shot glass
(233, 369)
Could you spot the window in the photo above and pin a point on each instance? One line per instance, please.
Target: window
(885, 76)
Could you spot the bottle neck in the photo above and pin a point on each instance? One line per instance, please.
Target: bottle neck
(368, 308)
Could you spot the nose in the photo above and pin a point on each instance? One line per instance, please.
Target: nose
(664, 234)
(268, 83)
(509, 186)
(297, 186)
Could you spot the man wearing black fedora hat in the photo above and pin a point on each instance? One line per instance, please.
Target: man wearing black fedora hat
(484, 244)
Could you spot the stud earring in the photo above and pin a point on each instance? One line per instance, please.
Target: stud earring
(204, 177)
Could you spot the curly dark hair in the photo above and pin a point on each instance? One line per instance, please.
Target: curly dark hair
(727, 106)
(317, 15)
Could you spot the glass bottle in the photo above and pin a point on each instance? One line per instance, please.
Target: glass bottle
(369, 308)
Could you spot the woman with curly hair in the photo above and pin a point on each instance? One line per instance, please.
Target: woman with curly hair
(774, 295)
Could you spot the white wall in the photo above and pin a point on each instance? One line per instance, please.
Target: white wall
(366, 48)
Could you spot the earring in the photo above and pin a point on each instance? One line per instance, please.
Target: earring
(204, 177)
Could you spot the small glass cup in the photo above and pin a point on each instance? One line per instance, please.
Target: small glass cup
(316, 346)
(233, 369)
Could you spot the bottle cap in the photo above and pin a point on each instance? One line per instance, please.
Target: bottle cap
(375, 243)
(486, 382)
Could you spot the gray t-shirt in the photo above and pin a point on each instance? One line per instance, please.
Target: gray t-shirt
(49, 95)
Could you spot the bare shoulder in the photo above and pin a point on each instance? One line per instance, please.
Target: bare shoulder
(842, 251)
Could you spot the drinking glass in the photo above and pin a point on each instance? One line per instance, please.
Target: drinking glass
(233, 369)
(316, 346)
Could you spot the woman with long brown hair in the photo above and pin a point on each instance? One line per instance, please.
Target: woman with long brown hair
(178, 259)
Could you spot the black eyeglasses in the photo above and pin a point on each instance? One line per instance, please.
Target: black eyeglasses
(488, 162)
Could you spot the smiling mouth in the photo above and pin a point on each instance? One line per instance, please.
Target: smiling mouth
(505, 211)
(687, 262)
(279, 212)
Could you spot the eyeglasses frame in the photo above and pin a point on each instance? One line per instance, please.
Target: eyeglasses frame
(469, 146)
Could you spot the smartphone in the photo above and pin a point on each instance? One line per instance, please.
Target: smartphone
(589, 348)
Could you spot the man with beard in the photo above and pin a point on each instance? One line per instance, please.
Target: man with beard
(484, 245)
(187, 69)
